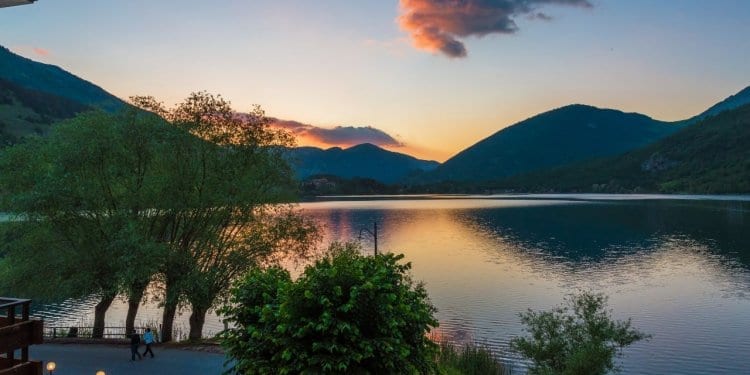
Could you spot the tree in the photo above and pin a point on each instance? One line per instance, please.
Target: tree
(190, 197)
(579, 337)
(83, 195)
(224, 209)
(347, 313)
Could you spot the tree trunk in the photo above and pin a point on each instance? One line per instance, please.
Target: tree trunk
(99, 312)
(167, 321)
(197, 319)
(133, 305)
(134, 301)
(171, 300)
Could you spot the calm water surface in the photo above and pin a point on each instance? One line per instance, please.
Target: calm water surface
(679, 268)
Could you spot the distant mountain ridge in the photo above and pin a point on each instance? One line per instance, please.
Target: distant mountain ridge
(735, 101)
(33, 96)
(54, 80)
(709, 157)
(560, 136)
(365, 160)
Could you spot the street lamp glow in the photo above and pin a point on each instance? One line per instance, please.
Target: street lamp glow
(51, 366)
(101, 372)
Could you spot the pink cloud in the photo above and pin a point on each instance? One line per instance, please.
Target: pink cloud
(439, 25)
(41, 52)
(338, 135)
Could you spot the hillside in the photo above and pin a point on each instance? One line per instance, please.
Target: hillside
(558, 137)
(735, 101)
(365, 161)
(710, 157)
(25, 111)
(54, 80)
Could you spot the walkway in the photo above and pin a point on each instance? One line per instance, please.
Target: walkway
(115, 360)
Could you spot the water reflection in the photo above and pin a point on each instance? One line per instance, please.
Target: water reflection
(680, 268)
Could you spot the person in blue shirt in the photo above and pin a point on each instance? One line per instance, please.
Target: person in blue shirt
(148, 339)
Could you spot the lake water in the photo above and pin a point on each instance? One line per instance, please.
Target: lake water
(679, 267)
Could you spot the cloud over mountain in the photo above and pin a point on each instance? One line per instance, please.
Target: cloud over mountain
(339, 135)
(438, 25)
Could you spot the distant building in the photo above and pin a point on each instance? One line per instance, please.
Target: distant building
(10, 3)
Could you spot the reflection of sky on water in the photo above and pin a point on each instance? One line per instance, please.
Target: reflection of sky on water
(681, 269)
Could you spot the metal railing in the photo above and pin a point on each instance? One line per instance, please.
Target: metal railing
(109, 333)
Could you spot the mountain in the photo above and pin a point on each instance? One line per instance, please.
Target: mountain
(709, 157)
(25, 111)
(737, 100)
(54, 80)
(33, 96)
(365, 161)
(558, 137)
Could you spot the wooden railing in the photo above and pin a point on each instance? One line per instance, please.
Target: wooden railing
(18, 333)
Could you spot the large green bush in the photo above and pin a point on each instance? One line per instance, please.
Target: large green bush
(347, 313)
(579, 337)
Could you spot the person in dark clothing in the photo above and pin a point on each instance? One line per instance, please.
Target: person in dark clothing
(135, 341)
(148, 339)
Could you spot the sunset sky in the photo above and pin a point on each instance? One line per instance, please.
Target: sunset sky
(425, 77)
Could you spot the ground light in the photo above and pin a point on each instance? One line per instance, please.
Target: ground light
(51, 367)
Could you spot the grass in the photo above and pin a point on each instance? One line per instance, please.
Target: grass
(469, 359)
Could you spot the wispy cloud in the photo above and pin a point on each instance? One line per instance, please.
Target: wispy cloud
(31, 51)
(41, 52)
(338, 135)
(439, 25)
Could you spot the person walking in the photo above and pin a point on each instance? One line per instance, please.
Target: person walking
(148, 339)
(135, 341)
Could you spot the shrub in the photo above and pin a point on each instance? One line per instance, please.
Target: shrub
(578, 337)
(469, 359)
(348, 313)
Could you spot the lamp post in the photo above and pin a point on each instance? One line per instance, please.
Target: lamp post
(51, 367)
(373, 233)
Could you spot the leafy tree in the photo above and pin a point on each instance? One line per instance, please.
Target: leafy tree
(347, 313)
(191, 197)
(579, 337)
(82, 195)
(223, 209)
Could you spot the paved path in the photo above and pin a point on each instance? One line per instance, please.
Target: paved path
(115, 360)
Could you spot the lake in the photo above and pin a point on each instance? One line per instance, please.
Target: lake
(678, 266)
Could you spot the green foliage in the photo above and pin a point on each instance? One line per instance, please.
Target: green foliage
(469, 359)
(347, 313)
(80, 204)
(222, 208)
(579, 337)
(193, 196)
